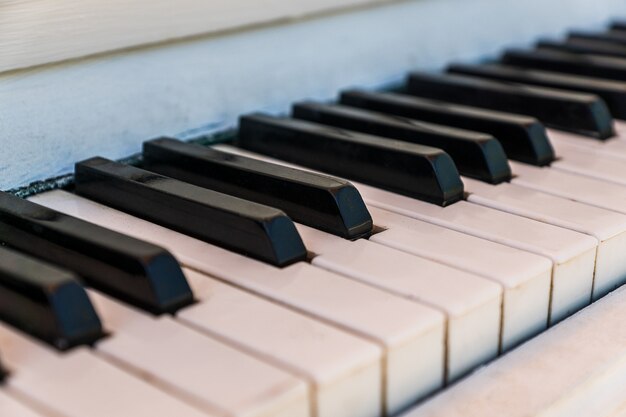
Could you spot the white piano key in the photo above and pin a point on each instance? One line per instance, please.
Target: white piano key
(344, 370)
(608, 227)
(78, 383)
(612, 148)
(572, 253)
(471, 303)
(399, 325)
(589, 163)
(524, 277)
(203, 372)
(577, 368)
(10, 407)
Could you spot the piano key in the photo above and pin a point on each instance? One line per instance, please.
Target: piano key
(323, 202)
(579, 161)
(345, 371)
(78, 383)
(618, 26)
(524, 277)
(611, 148)
(198, 370)
(11, 407)
(409, 169)
(565, 110)
(617, 37)
(527, 290)
(612, 92)
(585, 46)
(253, 229)
(572, 253)
(476, 155)
(523, 138)
(45, 301)
(575, 368)
(405, 329)
(608, 227)
(469, 301)
(591, 65)
(129, 268)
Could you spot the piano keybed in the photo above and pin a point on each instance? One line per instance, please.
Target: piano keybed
(354, 259)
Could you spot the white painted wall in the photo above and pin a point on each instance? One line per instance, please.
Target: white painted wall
(54, 116)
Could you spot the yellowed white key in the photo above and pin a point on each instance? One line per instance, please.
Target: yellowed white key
(411, 334)
(10, 407)
(577, 368)
(472, 304)
(608, 227)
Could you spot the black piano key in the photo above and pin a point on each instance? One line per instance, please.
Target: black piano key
(618, 26)
(523, 138)
(405, 168)
(253, 229)
(135, 271)
(590, 65)
(323, 202)
(612, 92)
(576, 112)
(46, 302)
(617, 37)
(585, 46)
(476, 155)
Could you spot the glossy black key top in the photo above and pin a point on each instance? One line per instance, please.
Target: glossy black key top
(253, 229)
(576, 112)
(476, 155)
(326, 203)
(618, 37)
(612, 92)
(405, 168)
(136, 271)
(590, 65)
(585, 46)
(45, 301)
(523, 138)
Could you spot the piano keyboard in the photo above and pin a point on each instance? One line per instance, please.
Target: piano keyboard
(425, 251)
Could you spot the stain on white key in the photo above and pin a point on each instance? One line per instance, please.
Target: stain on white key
(472, 304)
(577, 368)
(78, 383)
(524, 277)
(411, 334)
(10, 407)
(608, 227)
(572, 253)
(199, 370)
(344, 370)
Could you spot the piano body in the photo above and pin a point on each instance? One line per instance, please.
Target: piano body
(351, 208)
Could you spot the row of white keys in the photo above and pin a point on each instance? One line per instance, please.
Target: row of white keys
(344, 371)
(608, 227)
(577, 368)
(11, 407)
(572, 253)
(524, 277)
(472, 304)
(78, 383)
(411, 334)
(206, 373)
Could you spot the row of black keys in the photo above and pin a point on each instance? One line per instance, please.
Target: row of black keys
(240, 203)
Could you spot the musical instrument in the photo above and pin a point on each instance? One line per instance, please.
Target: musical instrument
(449, 246)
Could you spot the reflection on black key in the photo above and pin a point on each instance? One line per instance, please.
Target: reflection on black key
(137, 272)
(326, 203)
(612, 92)
(576, 112)
(249, 228)
(585, 46)
(476, 155)
(405, 168)
(591, 65)
(45, 301)
(523, 138)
